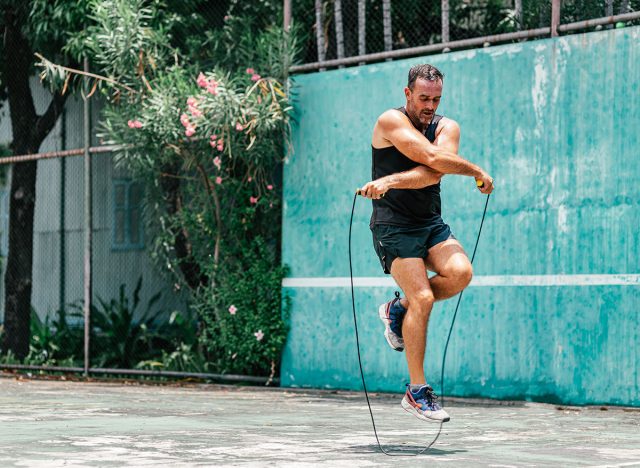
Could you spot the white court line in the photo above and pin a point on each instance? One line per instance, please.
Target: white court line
(477, 281)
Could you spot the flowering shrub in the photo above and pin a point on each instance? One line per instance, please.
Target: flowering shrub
(209, 142)
(244, 326)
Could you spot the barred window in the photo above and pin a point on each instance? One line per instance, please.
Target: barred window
(127, 210)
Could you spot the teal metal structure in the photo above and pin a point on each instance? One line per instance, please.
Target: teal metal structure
(553, 313)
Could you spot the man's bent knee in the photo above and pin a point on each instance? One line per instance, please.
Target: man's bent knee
(422, 301)
(460, 273)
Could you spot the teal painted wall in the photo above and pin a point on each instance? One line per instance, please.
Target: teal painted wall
(557, 123)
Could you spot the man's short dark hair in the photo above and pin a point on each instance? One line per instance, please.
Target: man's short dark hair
(424, 71)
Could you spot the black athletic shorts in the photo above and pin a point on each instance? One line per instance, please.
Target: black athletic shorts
(391, 242)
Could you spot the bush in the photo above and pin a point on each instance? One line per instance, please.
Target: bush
(245, 317)
(208, 141)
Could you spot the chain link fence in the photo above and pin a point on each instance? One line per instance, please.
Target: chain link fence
(136, 311)
(140, 317)
(141, 320)
(346, 28)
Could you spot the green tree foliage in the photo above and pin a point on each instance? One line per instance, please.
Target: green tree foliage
(204, 120)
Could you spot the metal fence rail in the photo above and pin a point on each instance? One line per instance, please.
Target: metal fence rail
(145, 373)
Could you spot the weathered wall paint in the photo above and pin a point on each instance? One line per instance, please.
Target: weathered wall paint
(557, 123)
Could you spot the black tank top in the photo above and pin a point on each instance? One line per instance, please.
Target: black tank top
(402, 207)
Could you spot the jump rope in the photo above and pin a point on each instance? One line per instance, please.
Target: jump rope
(444, 355)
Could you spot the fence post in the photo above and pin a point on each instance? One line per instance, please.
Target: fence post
(555, 17)
(62, 298)
(445, 20)
(87, 217)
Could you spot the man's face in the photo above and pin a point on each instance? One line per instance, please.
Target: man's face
(423, 101)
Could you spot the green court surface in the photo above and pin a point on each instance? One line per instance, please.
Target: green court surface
(62, 423)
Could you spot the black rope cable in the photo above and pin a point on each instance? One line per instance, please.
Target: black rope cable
(455, 313)
(355, 323)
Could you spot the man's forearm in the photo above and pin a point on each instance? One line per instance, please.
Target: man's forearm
(447, 162)
(416, 178)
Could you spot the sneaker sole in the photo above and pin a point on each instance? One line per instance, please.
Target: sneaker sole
(410, 409)
(382, 313)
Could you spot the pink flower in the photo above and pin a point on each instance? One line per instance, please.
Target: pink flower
(218, 180)
(192, 102)
(184, 120)
(212, 87)
(233, 309)
(214, 136)
(253, 200)
(249, 179)
(213, 143)
(195, 112)
(134, 124)
(239, 127)
(269, 187)
(250, 71)
(190, 131)
(217, 162)
(220, 146)
(202, 80)
(259, 335)
(255, 77)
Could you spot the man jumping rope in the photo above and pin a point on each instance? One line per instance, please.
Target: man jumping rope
(413, 148)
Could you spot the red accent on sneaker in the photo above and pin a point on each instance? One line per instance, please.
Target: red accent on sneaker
(412, 401)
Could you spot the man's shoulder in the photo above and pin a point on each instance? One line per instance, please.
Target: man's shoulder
(448, 125)
(447, 122)
(392, 117)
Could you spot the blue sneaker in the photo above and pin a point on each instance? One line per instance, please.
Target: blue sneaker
(391, 313)
(422, 404)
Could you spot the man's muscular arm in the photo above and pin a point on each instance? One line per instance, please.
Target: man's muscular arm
(396, 128)
(447, 138)
(421, 176)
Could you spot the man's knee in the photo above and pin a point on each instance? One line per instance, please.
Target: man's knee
(461, 273)
(422, 301)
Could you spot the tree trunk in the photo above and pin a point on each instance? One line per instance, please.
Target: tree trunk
(319, 31)
(191, 272)
(362, 37)
(337, 11)
(624, 7)
(445, 12)
(386, 25)
(29, 130)
(518, 14)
